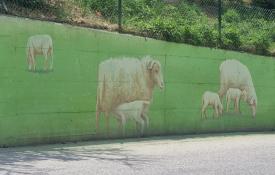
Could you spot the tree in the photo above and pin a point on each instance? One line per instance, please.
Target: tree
(269, 4)
(3, 5)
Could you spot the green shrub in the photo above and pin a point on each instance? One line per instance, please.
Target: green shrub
(108, 8)
(231, 38)
(139, 9)
(132, 8)
(260, 42)
(209, 36)
(200, 33)
(188, 11)
(186, 22)
(163, 28)
(231, 16)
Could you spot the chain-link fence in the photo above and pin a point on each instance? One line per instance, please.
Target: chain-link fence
(226, 24)
(230, 24)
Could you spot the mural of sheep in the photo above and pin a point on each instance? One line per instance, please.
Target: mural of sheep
(236, 95)
(211, 99)
(125, 80)
(233, 74)
(136, 110)
(39, 45)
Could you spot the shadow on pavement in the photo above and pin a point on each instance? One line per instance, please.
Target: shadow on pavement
(19, 160)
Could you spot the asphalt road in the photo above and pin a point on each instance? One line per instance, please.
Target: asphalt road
(221, 154)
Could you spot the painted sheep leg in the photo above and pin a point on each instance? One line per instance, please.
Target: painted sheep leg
(146, 119)
(216, 111)
(123, 122)
(203, 112)
(142, 127)
(51, 53)
(137, 126)
(141, 124)
(253, 108)
(220, 110)
(33, 62)
(238, 105)
(107, 123)
(221, 92)
(97, 121)
(227, 104)
(118, 116)
(119, 124)
(30, 63)
(46, 62)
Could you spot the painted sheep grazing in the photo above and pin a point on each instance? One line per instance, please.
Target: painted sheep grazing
(233, 74)
(211, 99)
(136, 110)
(236, 95)
(39, 45)
(125, 80)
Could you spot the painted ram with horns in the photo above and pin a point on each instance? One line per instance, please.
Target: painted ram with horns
(123, 80)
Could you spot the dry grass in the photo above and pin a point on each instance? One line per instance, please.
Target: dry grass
(247, 1)
(66, 11)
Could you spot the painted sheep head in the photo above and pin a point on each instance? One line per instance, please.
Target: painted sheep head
(155, 72)
(251, 99)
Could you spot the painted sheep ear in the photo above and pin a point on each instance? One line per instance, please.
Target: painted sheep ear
(151, 64)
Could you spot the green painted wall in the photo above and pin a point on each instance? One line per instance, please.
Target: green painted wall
(45, 107)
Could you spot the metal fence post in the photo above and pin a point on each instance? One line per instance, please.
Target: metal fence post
(3, 4)
(220, 22)
(119, 15)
